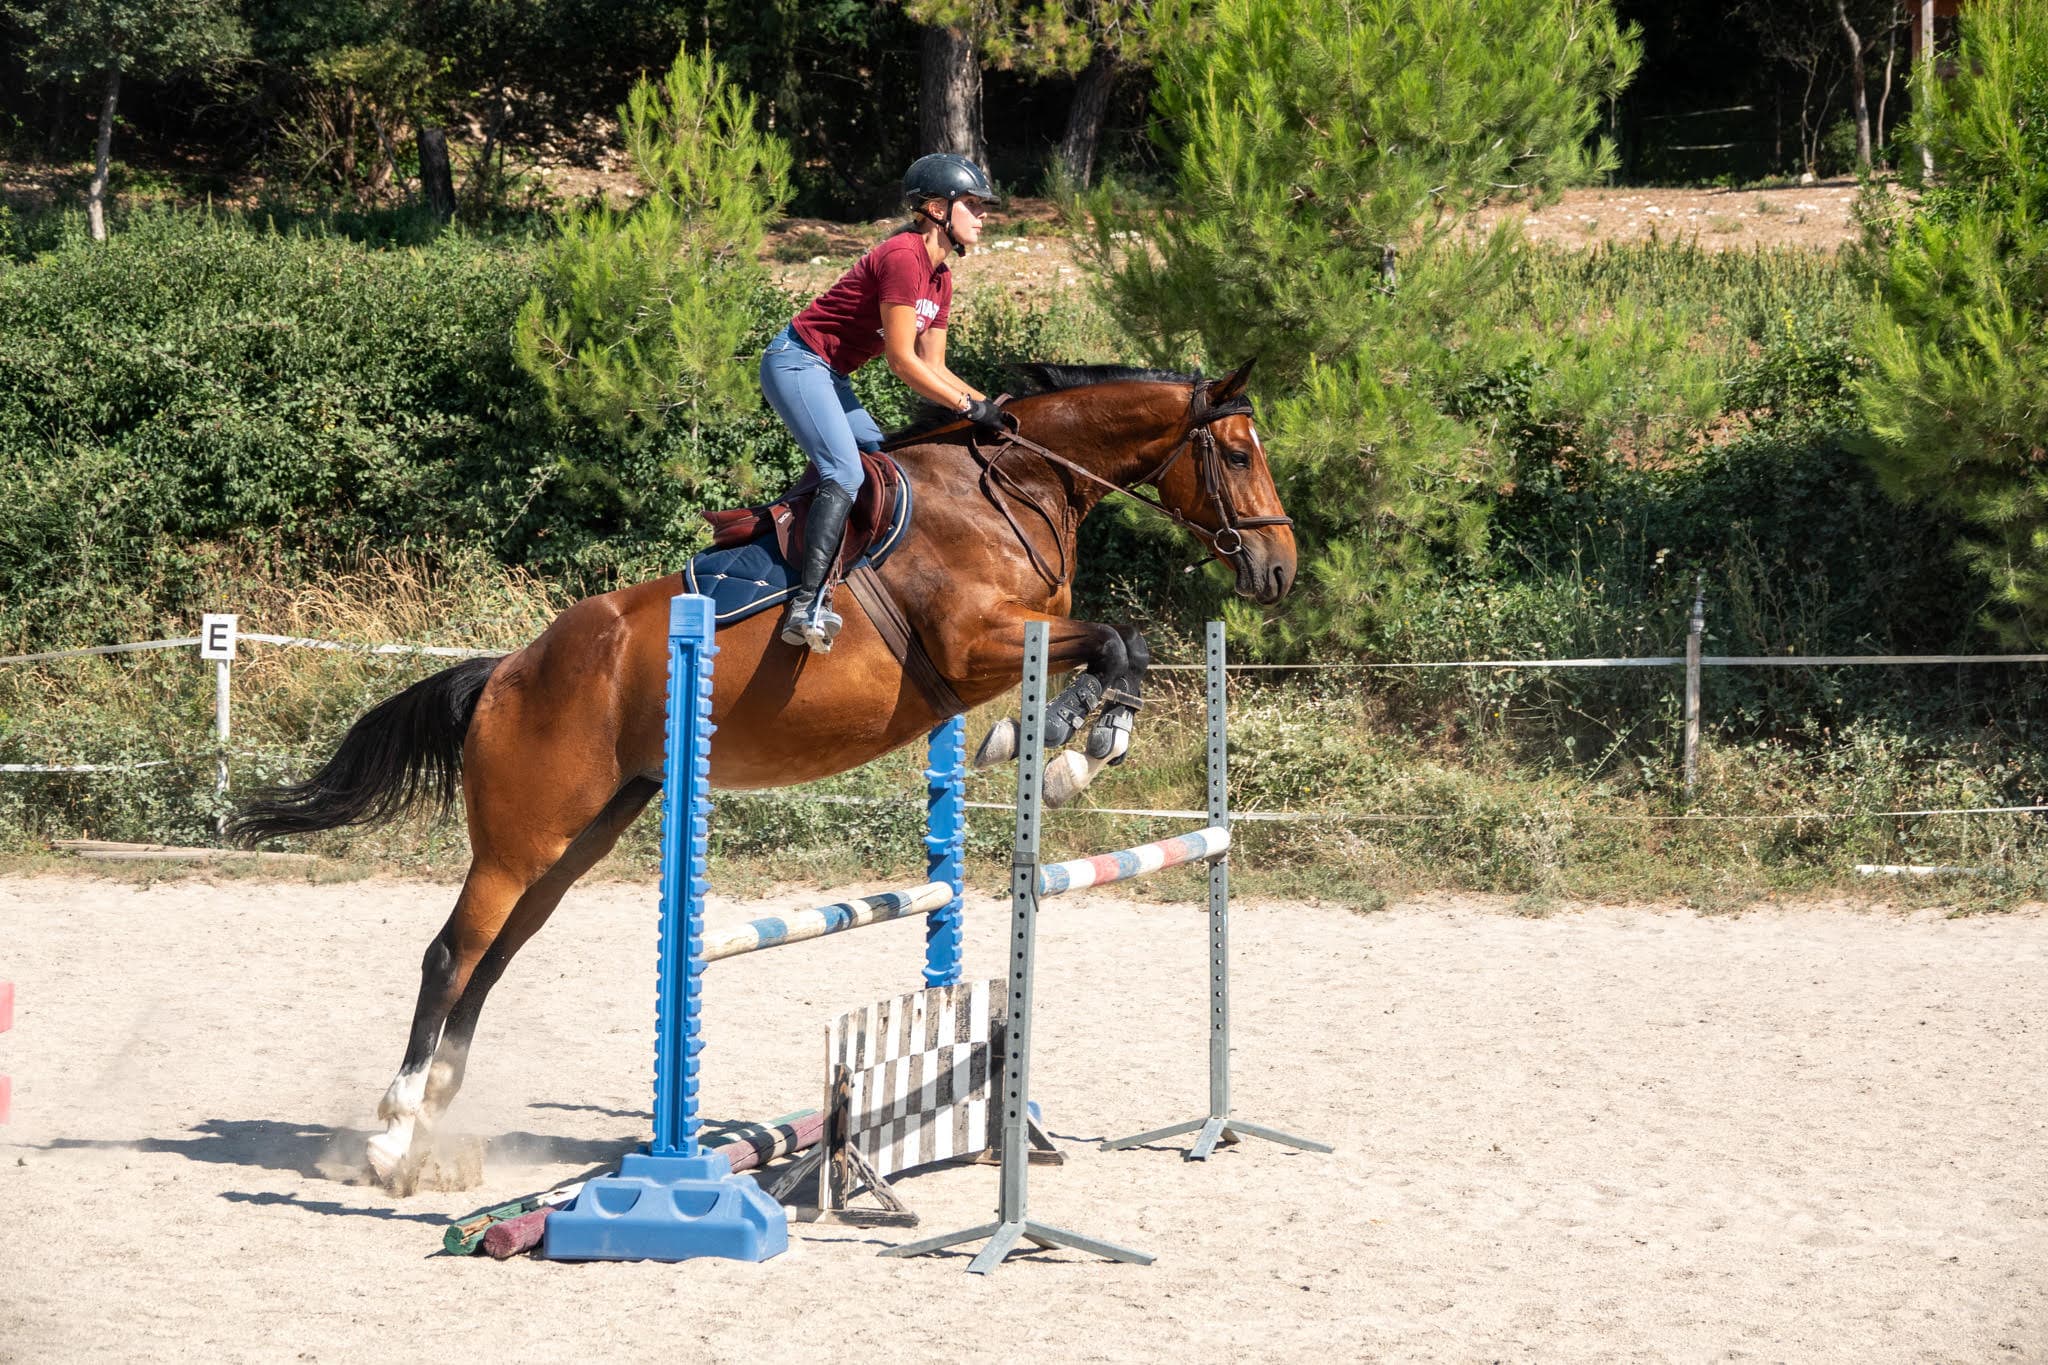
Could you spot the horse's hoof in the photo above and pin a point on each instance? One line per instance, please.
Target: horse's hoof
(999, 745)
(387, 1153)
(1067, 774)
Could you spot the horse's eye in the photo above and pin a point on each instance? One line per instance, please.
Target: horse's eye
(1238, 459)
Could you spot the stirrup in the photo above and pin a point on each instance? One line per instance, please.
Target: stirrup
(811, 622)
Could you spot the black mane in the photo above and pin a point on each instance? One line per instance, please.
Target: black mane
(1037, 379)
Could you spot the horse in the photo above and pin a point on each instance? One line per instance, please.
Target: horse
(558, 746)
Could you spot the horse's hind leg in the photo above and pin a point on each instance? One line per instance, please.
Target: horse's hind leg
(489, 894)
(502, 905)
(451, 1058)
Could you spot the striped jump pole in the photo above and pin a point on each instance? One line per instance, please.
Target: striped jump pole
(804, 925)
(1204, 844)
(1217, 1125)
(679, 1198)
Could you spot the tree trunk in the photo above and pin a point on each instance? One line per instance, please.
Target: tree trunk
(437, 181)
(1085, 118)
(1859, 92)
(96, 192)
(949, 105)
(1884, 88)
(387, 170)
(1927, 75)
(60, 122)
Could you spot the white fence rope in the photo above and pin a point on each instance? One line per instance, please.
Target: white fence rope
(1278, 817)
(305, 642)
(84, 767)
(135, 648)
(1647, 661)
(1390, 817)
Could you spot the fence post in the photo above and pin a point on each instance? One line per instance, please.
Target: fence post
(1692, 685)
(217, 636)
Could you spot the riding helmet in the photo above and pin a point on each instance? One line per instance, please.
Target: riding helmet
(947, 176)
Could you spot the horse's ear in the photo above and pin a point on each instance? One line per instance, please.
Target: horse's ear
(1232, 384)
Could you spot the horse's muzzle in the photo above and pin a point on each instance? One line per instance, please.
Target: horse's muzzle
(1265, 564)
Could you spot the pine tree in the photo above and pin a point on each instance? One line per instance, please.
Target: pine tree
(646, 312)
(1957, 394)
(1323, 153)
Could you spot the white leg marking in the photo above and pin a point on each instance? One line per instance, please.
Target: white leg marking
(400, 1110)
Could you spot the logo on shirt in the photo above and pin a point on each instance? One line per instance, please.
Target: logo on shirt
(927, 314)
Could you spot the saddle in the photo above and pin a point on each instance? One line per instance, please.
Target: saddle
(872, 517)
(748, 568)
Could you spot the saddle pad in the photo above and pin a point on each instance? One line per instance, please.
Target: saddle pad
(745, 580)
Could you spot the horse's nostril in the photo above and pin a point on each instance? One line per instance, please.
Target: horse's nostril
(1279, 581)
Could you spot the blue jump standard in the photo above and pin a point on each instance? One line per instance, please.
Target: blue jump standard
(678, 1199)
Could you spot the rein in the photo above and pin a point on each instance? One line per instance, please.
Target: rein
(1210, 479)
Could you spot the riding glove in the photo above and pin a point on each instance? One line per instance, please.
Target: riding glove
(992, 420)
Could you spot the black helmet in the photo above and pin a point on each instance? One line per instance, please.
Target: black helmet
(947, 176)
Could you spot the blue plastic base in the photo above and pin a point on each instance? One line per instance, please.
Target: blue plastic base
(668, 1209)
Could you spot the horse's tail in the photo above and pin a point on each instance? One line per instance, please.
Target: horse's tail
(405, 748)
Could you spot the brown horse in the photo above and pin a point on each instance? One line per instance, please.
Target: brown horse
(559, 745)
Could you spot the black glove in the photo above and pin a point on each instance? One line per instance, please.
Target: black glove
(990, 419)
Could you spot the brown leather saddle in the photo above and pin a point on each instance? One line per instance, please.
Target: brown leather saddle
(873, 513)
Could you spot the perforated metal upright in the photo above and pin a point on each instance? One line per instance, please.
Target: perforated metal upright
(1217, 1125)
(1013, 1223)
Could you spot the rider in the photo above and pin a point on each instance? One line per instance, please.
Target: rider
(894, 303)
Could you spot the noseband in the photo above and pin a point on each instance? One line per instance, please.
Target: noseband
(1227, 540)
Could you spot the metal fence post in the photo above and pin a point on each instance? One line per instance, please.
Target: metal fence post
(1692, 686)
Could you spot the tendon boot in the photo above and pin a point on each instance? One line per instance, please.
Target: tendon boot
(810, 620)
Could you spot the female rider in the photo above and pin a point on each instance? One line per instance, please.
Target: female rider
(893, 303)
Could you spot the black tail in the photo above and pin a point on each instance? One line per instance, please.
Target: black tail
(404, 748)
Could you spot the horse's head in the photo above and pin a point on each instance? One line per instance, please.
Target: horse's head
(1217, 482)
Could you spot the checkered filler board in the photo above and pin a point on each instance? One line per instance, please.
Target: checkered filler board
(924, 1068)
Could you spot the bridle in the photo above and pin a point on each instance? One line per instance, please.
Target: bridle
(1227, 540)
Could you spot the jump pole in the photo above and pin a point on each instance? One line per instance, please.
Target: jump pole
(1218, 1125)
(679, 1199)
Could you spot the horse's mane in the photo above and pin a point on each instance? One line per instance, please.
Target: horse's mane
(1036, 379)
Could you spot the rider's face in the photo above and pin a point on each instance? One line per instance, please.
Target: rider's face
(966, 219)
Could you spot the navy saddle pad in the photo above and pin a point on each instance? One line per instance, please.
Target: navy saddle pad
(745, 580)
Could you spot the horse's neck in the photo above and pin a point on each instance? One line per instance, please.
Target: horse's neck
(1112, 442)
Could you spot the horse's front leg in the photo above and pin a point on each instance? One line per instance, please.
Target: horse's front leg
(1109, 740)
(1114, 662)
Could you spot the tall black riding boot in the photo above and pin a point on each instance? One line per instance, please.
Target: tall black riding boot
(811, 620)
